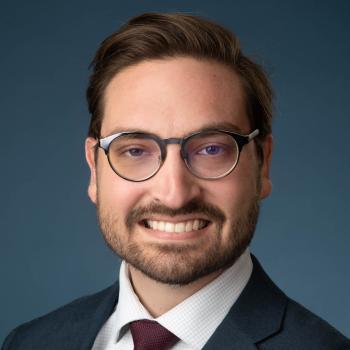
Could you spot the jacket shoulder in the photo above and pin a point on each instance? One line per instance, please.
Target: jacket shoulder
(274, 321)
(65, 325)
(302, 329)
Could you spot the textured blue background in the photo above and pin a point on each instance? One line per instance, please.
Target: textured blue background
(51, 250)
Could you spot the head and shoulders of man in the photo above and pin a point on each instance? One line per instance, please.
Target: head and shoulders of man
(171, 76)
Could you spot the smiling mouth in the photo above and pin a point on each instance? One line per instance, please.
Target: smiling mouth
(179, 227)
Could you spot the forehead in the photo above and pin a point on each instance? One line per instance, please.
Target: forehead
(173, 97)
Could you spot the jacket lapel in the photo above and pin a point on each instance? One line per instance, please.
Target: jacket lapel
(229, 336)
(91, 317)
(256, 315)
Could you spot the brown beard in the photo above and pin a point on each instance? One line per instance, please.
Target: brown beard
(180, 264)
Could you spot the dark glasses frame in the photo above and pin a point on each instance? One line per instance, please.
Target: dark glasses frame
(239, 139)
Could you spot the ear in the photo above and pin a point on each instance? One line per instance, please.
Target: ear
(90, 152)
(266, 184)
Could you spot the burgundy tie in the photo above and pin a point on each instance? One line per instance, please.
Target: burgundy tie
(150, 335)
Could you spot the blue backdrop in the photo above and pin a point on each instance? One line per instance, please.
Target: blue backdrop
(51, 250)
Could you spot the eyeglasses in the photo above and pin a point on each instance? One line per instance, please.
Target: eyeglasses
(209, 154)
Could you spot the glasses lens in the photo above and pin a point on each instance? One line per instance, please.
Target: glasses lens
(211, 154)
(134, 157)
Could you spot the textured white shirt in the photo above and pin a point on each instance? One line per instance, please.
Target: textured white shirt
(193, 321)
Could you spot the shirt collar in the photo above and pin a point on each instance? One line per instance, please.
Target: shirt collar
(195, 319)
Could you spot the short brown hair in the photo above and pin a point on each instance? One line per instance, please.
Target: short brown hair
(157, 36)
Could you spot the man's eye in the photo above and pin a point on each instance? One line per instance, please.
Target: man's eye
(211, 150)
(134, 152)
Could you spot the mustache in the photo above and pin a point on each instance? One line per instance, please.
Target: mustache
(195, 206)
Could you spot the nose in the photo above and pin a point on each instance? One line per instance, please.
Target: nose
(174, 185)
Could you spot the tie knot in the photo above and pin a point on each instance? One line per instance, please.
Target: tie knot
(150, 335)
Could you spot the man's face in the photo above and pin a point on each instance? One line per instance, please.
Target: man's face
(173, 98)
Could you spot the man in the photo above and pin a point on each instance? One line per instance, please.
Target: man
(179, 149)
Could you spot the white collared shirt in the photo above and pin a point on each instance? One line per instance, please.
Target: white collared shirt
(193, 321)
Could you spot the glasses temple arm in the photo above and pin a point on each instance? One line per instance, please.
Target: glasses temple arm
(253, 134)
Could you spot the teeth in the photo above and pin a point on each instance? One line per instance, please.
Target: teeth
(169, 227)
(187, 226)
(180, 227)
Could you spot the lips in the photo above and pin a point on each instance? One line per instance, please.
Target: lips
(176, 227)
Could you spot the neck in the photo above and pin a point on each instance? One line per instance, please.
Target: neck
(158, 297)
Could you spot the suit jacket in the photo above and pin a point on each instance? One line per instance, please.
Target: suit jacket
(263, 318)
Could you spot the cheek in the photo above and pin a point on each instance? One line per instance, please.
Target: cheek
(234, 193)
(229, 195)
(114, 192)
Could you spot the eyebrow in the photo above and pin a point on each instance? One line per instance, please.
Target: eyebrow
(220, 125)
(208, 126)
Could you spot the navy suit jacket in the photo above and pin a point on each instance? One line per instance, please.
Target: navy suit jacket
(263, 318)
